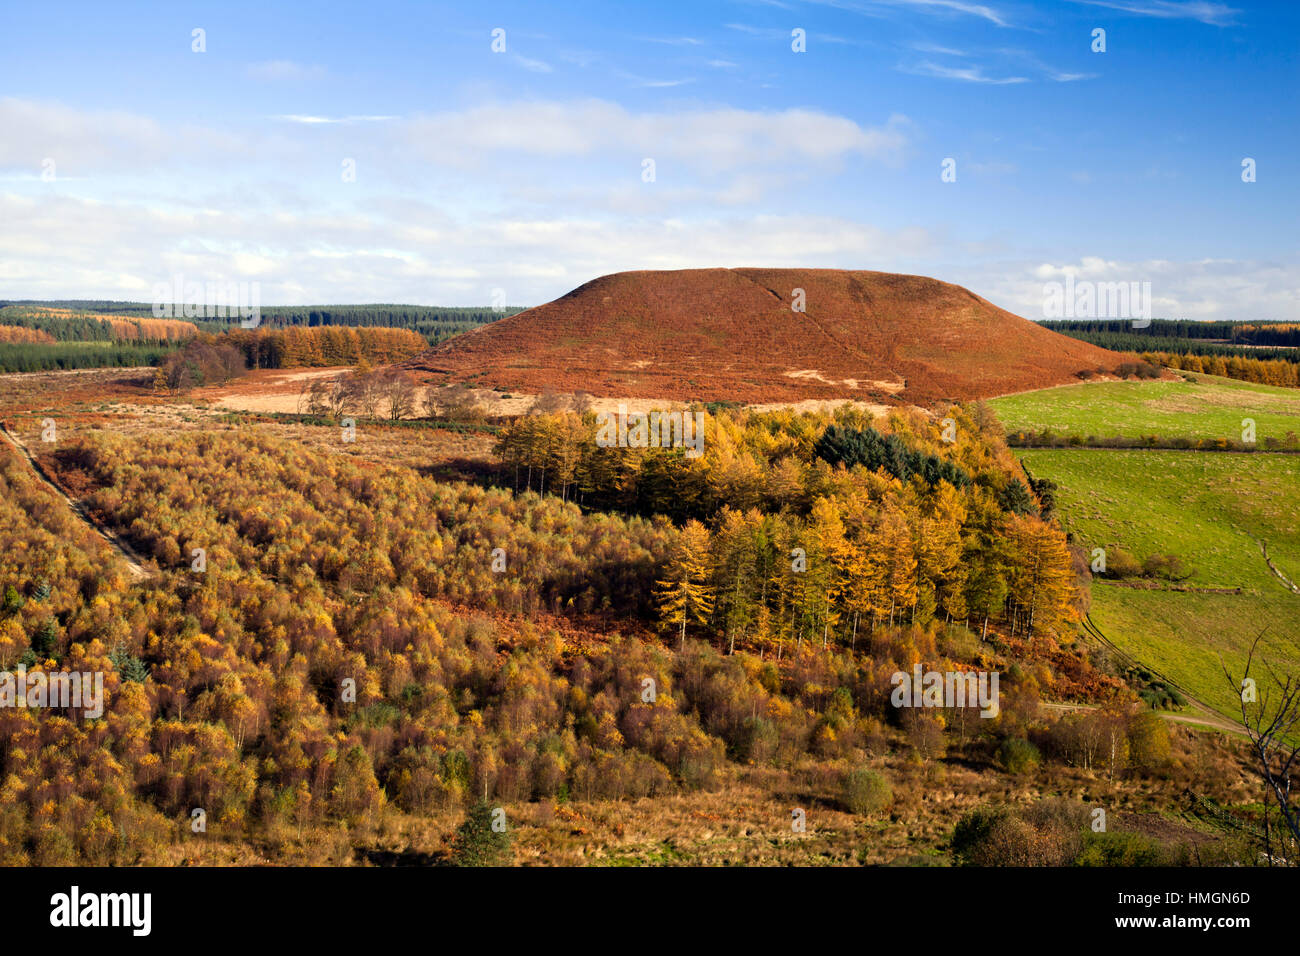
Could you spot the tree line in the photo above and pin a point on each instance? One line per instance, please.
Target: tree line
(1279, 333)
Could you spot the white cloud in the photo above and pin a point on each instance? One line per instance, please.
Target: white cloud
(60, 247)
(714, 139)
(79, 140)
(1214, 14)
(1196, 289)
(307, 120)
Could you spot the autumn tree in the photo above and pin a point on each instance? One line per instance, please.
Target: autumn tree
(686, 592)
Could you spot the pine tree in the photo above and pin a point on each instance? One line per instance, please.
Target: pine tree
(477, 843)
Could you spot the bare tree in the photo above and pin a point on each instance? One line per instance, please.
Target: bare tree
(398, 388)
(337, 397)
(363, 393)
(313, 397)
(1270, 724)
(547, 403)
(432, 403)
(461, 403)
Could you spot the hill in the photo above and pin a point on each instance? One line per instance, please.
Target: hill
(732, 334)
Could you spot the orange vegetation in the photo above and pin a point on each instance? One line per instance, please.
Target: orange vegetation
(16, 333)
(733, 334)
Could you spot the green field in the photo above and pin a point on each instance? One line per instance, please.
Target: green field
(1207, 407)
(1210, 509)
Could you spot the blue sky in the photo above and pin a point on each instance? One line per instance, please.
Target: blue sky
(127, 158)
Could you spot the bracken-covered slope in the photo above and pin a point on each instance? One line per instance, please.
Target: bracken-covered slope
(731, 334)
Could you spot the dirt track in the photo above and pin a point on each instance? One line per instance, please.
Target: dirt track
(134, 560)
(1205, 715)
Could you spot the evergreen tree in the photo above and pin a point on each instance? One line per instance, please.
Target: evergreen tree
(477, 843)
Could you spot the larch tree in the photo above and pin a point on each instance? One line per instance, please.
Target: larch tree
(686, 593)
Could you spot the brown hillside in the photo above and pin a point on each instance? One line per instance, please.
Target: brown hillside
(714, 334)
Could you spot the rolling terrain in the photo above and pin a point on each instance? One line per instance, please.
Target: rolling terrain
(1216, 512)
(734, 334)
(1200, 407)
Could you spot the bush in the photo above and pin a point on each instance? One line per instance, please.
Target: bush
(1167, 566)
(1122, 564)
(1018, 755)
(997, 836)
(762, 740)
(866, 791)
(1120, 849)
(1148, 738)
(477, 844)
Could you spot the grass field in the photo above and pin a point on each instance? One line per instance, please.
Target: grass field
(1209, 509)
(1206, 407)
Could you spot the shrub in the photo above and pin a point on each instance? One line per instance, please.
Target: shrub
(997, 836)
(1119, 849)
(1121, 564)
(866, 791)
(1148, 738)
(762, 740)
(1018, 755)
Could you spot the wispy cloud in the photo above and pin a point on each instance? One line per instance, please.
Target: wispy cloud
(675, 41)
(284, 70)
(537, 66)
(1214, 14)
(873, 8)
(967, 74)
(778, 33)
(309, 120)
(939, 50)
(1058, 76)
(650, 83)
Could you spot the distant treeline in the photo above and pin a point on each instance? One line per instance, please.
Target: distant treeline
(141, 309)
(72, 355)
(94, 333)
(1266, 353)
(1231, 333)
(435, 323)
(257, 348)
(82, 327)
(296, 347)
(1260, 371)
(1119, 342)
